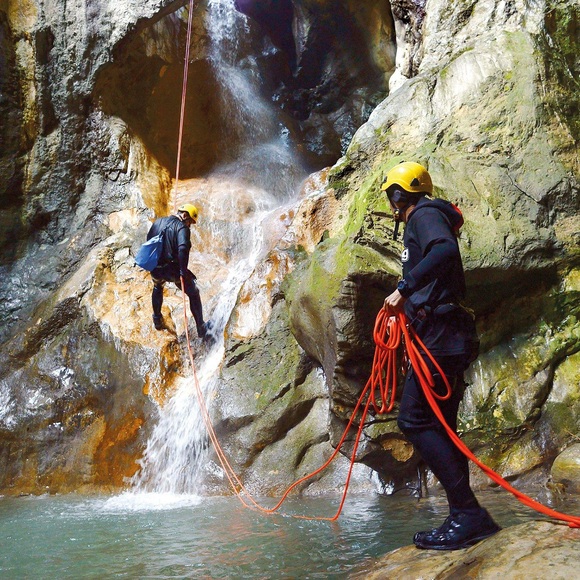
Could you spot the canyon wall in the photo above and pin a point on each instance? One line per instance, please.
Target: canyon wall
(484, 93)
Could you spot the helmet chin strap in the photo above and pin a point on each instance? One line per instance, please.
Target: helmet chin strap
(397, 215)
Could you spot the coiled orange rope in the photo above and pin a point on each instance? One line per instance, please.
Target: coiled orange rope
(414, 345)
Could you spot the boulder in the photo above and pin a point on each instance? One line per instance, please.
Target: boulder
(566, 468)
(533, 550)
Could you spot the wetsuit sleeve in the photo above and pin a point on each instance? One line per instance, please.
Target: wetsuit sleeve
(438, 246)
(183, 247)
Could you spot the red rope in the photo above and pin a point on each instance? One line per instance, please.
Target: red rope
(183, 101)
(235, 482)
(387, 336)
(411, 341)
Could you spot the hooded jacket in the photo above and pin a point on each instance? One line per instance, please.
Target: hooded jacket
(433, 271)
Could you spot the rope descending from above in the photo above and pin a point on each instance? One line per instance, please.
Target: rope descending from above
(183, 101)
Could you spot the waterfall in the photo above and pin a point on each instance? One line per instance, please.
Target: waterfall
(231, 238)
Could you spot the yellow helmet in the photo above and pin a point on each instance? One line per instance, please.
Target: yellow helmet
(410, 176)
(190, 209)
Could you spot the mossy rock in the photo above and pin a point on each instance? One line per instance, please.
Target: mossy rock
(566, 468)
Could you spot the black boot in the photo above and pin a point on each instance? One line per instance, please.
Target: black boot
(458, 531)
(158, 322)
(205, 331)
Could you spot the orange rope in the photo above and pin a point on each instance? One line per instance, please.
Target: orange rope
(376, 381)
(411, 341)
(387, 336)
(183, 101)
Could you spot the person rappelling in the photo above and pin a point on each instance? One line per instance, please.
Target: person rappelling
(430, 295)
(172, 265)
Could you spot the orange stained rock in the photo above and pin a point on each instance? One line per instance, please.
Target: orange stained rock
(117, 453)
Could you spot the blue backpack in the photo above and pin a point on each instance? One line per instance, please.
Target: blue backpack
(149, 253)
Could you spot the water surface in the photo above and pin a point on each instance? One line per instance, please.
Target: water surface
(177, 536)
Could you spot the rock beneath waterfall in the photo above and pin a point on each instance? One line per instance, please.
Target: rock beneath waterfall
(531, 550)
(75, 408)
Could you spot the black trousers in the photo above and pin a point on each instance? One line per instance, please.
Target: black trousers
(420, 425)
(170, 273)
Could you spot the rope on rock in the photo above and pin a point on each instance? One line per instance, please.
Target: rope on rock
(374, 381)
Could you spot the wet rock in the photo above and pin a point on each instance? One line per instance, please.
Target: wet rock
(345, 55)
(11, 162)
(485, 96)
(276, 18)
(408, 16)
(566, 468)
(272, 402)
(535, 549)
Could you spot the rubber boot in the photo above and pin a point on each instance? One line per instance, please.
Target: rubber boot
(459, 530)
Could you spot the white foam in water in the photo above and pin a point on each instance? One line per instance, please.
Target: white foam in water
(144, 502)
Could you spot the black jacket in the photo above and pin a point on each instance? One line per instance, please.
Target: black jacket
(176, 240)
(433, 270)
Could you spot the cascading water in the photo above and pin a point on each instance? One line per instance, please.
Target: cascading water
(258, 176)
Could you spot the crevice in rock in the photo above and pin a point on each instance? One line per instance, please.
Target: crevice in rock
(322, 438)
(290, 419)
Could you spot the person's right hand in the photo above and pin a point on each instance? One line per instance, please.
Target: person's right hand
(394, 303)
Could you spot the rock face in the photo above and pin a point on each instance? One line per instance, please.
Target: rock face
(91, 94)
(485, 94)
(547, 549)
(566, 467)
(483, 130)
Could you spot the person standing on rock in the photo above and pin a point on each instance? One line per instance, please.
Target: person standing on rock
(173, 265)
(429, 293)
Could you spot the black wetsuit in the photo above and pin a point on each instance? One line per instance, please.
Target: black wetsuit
(173, 265)
(435, 284)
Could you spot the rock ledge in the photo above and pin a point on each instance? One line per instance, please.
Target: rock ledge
(537, 549)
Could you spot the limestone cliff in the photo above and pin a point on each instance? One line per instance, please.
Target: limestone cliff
(90, 103)
(492, 111)
(484, 93)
